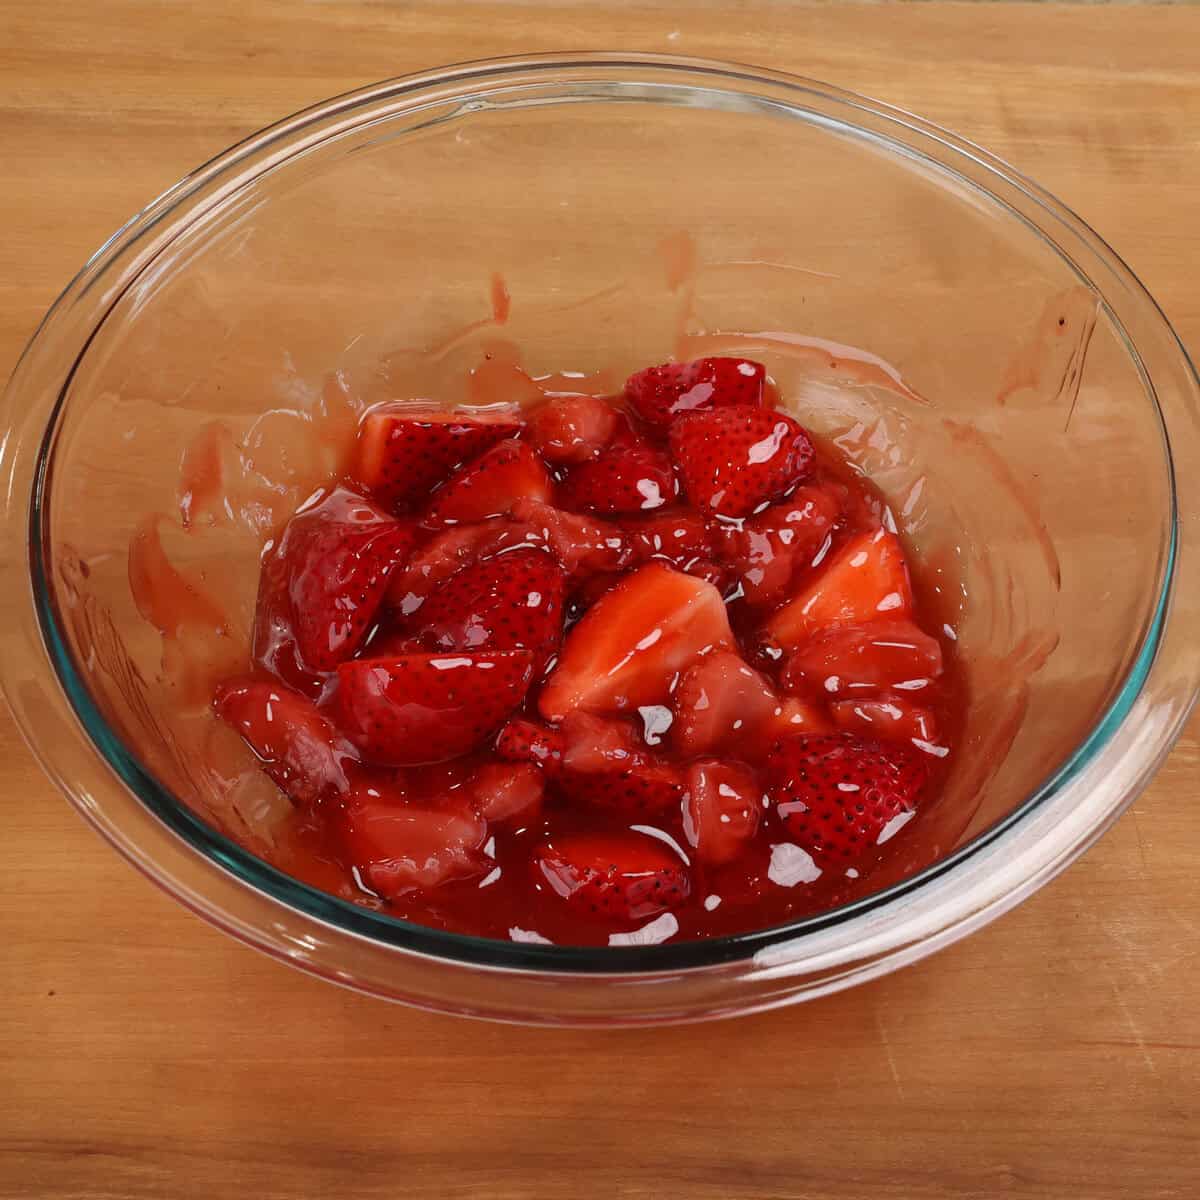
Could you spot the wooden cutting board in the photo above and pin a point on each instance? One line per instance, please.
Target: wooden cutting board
(142, 1054)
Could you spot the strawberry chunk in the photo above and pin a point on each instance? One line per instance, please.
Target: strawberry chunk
(723, 810)
(889, 716)
(527, 741)
(513, 601)
(298, 748)
(867, 579)
(426, 708)
(721, 704)
(396, 848)
(850, 660)
(678, 537)
(626, 650)
(767, 550)
(659, 394)
(620, 876)
(572, 429)
(592, 744)
(734, 460)
(490, 485)
(639, 790)
(630, 478)
(584, 545)
(507, 792)
(840, 796)
(323, 584)
(405, 451)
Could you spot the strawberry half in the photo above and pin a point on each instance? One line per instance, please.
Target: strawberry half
(659, 394)
(426, 708)
(502, 791)
(584, 545)
(639, 790)
(403, 451)
(630, 478)
(677, 537)
(572, 429)
(620, 876)
(298, 748)
(723, 809)
(851, 660)
(527, 741)
(513, 601)
(889, 716)
(323, 584)
(734, 460)
(396, 848)
(867, 579)
(767, 550)
(490, 485)
(722, 704)
(840, 795)
(628, 647)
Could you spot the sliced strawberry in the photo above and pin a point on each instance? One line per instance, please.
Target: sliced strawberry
(507, 792)
(891, 717)
(323, 584)
(448, 552)
(660, 394)
(639, 790)
(572, 429)
(630, 478)
(512, 601)
(840, 795)
(626, 650)
(850, 660)
(677, 537)
(405, 451)
(299, 749)
(490, 485)
(735, 460)
(620, 876)
(767, 550)
(593, 744)
(865, 580)
(721, 703)
(396, 848)
(527, 741)
(723, 809)
(425, 708)
(584, 545)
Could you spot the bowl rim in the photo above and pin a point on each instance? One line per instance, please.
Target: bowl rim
(260, 152)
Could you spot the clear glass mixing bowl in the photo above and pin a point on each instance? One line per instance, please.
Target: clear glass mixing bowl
(1015, 392)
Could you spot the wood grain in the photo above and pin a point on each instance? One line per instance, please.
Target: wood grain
(142, 1054)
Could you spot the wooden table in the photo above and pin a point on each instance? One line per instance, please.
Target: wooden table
(142, 1054)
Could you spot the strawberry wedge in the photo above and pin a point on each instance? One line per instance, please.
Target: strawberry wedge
(405, 451)
(660, 394)
(630, 645)
(427, 708)
(490, 486)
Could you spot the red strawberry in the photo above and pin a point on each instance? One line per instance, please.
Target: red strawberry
(527, 741)
(322, 585)
(627, 478)
(426, 708)
(396, 848)
(723, 810)
(840, 795)
(887, 716)
(510, 792)
(490, 485)
(620, 876)
(405, 451)
(572, 429)
(865, 580)
(513, 601)
(677, 537)
(592, 588)
(734, 460)
(721, 704)
(593, 744)
(659, 394)
(639, 790)
(448, 552)
(584, 545)
(626, 650)
(299, 749)
(851, 660)
(765, 551)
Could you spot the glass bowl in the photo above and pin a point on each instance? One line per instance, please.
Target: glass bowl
(968, 341)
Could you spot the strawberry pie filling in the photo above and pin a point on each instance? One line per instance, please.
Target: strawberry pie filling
(607, 671)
